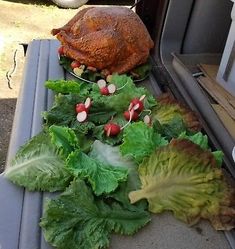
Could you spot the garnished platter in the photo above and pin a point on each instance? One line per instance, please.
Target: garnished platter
(91, 75)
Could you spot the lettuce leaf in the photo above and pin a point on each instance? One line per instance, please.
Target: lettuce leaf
(64, 139)
(37, 166)
(183, 178)
(63, 86)
(140, 140)
(202, 140)
(169, 109)
(76, 219)
(127, 90)
(102, 177)
(110, 155)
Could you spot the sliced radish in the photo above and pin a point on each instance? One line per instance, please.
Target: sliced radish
(104, 90)
(82, 116)
(93, 69)
(82, 67)
(112, 129)
(112, 88)
(80, 107)
(147, 119)
(136, 102)
(131, 115)
(101, 83)
(130, 106)
(142, 97)
(88, 103)
(136, 106)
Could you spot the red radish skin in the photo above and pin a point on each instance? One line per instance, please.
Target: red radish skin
(127, 115)
(104, 91)
(112, 129)
(61, 50)
(75, 64)
(80, 108)
(82, 116)
(136, 102)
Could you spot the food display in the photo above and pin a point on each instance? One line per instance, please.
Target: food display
(115, 158)
(100, 41)
(114, 152)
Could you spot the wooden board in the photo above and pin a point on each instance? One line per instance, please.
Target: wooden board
(228, 122)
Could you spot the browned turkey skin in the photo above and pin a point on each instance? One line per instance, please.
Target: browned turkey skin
(113, 39)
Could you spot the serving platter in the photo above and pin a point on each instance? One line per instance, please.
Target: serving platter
(138, 74)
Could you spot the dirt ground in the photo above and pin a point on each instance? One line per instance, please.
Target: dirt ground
(21, 22)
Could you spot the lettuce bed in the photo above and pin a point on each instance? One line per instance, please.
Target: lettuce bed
(111, 183)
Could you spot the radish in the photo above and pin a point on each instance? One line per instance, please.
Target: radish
(82, 116)
(87, 103)
(101, 83)
(112, 129)
(93, 69)
(147, 119)
(112, 88)
(80, 108)
(137, 105)
(131, 115)
(61, 50)
(104, 90)
(75, 64)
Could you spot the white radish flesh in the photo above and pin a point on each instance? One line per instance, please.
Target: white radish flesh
(101, 83)
(147, 119)
(142, 97)
(81, 116)
(136, 107)
(112, 88)
(87, 103)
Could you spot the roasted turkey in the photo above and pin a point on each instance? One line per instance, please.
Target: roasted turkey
(112, 39)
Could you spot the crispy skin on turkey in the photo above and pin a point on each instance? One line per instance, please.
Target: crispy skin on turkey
(107, 38)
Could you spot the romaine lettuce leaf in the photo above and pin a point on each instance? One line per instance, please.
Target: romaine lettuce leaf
(202, 140)
(37, 166)
(76, 219)
(102, 177)
(64, 139)
(63, 86)
(140, 140)
(111, 155)
(183, 178)
(169, 109)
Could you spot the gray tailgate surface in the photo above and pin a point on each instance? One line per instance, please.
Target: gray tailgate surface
(20, 210)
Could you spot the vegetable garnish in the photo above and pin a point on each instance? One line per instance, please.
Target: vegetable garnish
(91, 75)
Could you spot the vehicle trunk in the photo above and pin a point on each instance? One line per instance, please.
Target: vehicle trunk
(189, 33)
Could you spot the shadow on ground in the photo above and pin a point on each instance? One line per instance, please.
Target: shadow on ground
(7, 110)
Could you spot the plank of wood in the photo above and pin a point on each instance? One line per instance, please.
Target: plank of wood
(214, 91)
(210, 71)
(228, 122)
